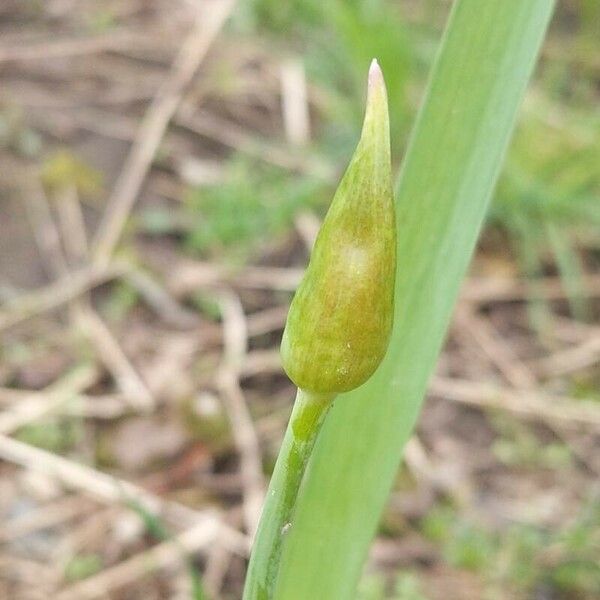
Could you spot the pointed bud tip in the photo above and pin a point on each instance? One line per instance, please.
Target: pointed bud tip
(375, 74)
(376, 110)
(376, 84)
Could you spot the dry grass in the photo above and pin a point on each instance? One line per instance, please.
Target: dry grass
(174, 409)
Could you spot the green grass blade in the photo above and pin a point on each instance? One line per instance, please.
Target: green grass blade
(451, 166)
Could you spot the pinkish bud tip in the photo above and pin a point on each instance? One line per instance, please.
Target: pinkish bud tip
(376, 84)
(375, 74)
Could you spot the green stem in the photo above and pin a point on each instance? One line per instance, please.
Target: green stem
(277, 516)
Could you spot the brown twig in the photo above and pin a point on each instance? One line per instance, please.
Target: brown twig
(235, 340)
(294, 102)
(572, 359)
(526, 404)
(516, 373)
(62, 48)
(240, 139)
(109, 489)
(44, 228)
(495, 289)
(57, 293)
(50, 515)
(160, 301)
(72, 226)
(162, 556)
(111, 354)
(37, 405)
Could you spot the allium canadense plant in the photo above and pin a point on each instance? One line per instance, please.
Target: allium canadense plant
(339, 322)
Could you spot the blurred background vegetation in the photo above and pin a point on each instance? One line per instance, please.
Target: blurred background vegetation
(229, 188)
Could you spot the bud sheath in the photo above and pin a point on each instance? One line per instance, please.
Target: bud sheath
(340, 319)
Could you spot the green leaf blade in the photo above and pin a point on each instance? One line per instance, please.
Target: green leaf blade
(449, 172)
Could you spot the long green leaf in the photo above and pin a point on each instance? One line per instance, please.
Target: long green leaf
(451, 166)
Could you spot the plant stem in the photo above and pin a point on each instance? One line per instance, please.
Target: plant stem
(277, 516)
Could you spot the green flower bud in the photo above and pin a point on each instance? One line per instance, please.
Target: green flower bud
(340, 319)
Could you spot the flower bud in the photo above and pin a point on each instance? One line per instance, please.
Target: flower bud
(340, 319)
